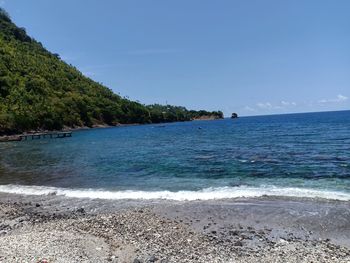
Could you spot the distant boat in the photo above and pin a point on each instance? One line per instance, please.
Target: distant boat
(234, 115)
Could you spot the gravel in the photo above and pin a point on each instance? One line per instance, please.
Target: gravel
(32, 233)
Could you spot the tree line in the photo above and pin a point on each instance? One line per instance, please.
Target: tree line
(39, 91)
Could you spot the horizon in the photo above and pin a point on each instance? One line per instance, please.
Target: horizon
(289, 113)
(208, 60)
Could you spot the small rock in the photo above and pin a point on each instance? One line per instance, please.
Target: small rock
(234, 232)
(81, 210)
(152, 258)
(238, 244)
(283, 241)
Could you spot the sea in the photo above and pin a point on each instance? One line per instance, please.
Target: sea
(292, 155)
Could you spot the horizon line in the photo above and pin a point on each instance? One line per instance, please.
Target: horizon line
(291, 113)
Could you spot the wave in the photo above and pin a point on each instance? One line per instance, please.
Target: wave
(204, 194)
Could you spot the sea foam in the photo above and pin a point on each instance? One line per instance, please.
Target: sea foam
(204, 194)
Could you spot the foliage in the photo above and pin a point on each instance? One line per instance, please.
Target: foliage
(163, 113)
(40, 91)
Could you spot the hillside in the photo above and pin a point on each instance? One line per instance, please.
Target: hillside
(39, 91)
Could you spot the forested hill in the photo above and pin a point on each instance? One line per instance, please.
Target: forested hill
(39, 91)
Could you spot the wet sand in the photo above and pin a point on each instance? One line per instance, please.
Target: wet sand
(265, 229)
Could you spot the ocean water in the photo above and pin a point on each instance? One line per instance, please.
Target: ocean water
(290, 155)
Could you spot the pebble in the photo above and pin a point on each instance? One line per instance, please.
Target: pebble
(152, 258)
(151, 238)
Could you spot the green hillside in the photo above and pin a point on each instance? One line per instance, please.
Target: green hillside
(39, 91)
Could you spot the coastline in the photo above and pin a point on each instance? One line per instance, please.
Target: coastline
(265, 229)
(15, 137)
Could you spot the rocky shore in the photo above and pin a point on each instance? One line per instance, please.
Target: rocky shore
(58, 229)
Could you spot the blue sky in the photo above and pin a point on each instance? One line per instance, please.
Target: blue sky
(247, 56)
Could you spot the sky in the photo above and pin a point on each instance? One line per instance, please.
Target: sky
(252, 57)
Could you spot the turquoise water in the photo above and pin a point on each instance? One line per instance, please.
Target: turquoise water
(300, 153)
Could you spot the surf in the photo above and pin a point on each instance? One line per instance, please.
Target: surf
(203, 194)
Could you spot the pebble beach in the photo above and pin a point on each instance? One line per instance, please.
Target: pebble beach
(59, 229)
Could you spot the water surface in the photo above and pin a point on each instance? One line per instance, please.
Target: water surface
(300, 153)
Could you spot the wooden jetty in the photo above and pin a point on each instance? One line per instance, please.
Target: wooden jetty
(35, 136)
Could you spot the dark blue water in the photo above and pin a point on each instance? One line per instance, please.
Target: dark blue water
(299, 151)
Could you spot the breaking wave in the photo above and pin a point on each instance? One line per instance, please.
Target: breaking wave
(204, 194)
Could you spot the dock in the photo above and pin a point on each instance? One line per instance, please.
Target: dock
(35, 136)
(51, 135)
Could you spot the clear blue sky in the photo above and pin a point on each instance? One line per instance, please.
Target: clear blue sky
(245, 56)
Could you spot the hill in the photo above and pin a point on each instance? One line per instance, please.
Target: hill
(39, 91)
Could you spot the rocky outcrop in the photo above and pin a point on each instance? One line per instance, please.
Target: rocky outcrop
(234, 115)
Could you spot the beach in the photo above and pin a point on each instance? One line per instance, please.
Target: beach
(266, 229)
(257, 189)
(174, 132)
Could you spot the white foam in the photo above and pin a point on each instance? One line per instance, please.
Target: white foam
(205, 194)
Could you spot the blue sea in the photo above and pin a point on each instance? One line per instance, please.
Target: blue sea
(303, 155)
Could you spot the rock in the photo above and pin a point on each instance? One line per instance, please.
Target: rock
(233, 232)
(238, 244)
(234, 115)
(152, 258)
(283, 241)
(81, 210)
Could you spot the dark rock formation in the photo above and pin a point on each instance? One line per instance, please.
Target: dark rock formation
(234, 115)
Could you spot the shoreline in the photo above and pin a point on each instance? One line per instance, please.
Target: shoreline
(265, 229)
(15, 137)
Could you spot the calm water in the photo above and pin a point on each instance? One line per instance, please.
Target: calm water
(295, 152)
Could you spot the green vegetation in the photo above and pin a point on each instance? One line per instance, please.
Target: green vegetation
(39, 91)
